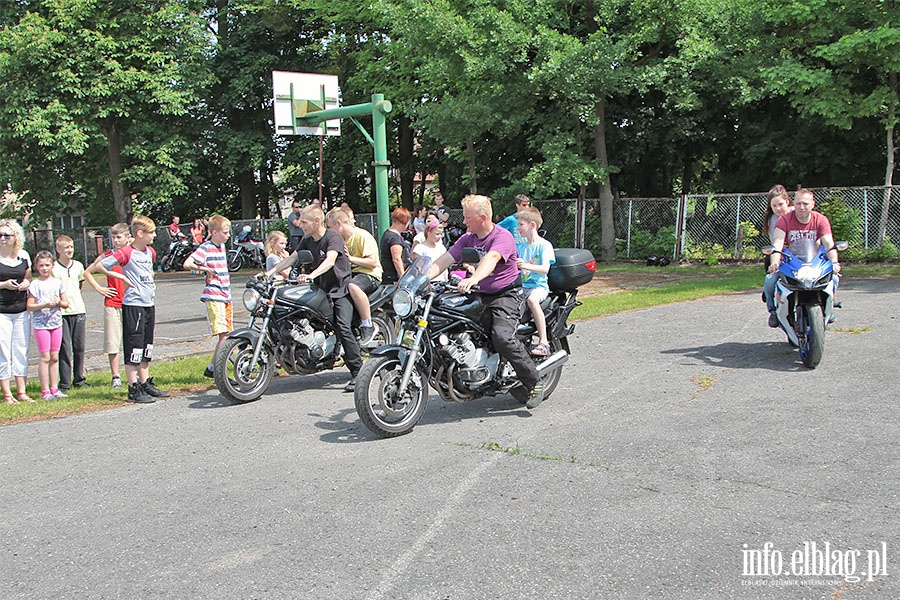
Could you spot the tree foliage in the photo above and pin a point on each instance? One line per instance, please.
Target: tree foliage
(171, 99)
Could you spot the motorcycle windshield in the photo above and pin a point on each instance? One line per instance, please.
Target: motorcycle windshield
(804, 250)
(416, 275)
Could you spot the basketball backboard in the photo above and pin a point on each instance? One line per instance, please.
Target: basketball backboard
(297, 94)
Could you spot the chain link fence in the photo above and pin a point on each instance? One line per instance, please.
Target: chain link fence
(727, 225)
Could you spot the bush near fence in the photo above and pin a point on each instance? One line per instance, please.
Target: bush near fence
(707, 227)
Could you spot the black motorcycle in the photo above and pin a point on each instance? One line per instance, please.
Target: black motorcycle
(445, 342)
(174, 258)
(290, 326)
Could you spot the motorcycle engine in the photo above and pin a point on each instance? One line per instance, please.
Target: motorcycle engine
(476, 365)
(302, 346)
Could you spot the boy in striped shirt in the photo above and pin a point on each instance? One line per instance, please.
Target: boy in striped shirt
(209, 258)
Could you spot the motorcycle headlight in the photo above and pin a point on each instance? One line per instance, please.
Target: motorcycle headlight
(808, 275)
(403, 303)
(251, 299)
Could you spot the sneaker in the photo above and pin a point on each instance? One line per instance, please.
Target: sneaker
(47, 396)
(59, 394)
(81, 383)
(137, 395)
(541, 350)
(117, 382)
(366, 334)
(351, 385)
(536, 395)
(773, 320)
(208, 372)
(152, 390)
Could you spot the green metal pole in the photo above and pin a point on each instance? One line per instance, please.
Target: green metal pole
(378, 108)
(382, 164)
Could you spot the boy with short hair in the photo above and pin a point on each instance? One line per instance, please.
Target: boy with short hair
(210, 258)
(138, 309)
(362, 252)
(71, 352)
(535, 257)
(112, 302)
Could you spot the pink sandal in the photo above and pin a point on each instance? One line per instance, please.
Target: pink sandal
(24, 397)
(8, 398)
(541, 350)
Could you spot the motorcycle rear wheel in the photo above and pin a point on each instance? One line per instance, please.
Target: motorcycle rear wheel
(236, 378)
(812, 343)
(379, 406)
(550, 380)
(234, 260)
(386, 334)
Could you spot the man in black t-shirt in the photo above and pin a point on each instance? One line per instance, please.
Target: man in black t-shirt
(331, 272)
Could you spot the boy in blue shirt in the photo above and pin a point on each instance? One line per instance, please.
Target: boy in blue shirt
(535, 257)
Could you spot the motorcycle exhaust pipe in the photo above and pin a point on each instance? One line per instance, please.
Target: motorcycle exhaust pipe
(553, 362)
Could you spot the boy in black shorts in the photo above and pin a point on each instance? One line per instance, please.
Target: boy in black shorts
(138, 310)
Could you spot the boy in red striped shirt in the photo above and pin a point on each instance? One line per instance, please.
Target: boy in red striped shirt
(209, 258)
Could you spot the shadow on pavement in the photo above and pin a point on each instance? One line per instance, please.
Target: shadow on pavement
(347, 428)
(773, 356)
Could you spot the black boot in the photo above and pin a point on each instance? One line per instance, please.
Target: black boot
(137, 395)
(152, 390)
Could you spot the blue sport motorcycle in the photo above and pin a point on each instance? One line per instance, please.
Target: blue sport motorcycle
(804, 296)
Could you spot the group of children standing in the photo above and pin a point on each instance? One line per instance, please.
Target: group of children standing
(59, 314)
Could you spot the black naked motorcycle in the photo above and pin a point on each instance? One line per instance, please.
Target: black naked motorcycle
(444, 341)
(178, 252)
(291, 326)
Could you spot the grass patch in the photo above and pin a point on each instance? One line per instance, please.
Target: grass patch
(703, 282)
(518, 451)
(851, 330)
(178, 376)
(704, 382)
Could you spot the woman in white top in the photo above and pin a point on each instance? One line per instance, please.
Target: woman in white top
(15, 321)
(432, 245)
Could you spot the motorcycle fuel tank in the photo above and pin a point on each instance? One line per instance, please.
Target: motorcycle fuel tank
(305, 295)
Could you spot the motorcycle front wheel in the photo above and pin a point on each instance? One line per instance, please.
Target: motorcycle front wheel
(165, 264)
(812, 340)
(379, 404)
(238, 378)
(234, 260)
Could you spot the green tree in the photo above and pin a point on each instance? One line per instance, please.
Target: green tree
(840, 61)
(85, 79)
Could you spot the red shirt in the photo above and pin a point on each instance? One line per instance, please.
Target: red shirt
(117, 284)
(796, 231)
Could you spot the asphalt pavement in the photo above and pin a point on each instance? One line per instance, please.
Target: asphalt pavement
(686, 454)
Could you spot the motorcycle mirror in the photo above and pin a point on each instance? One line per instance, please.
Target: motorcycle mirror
(246, 228)
(841, 245)
(471, 255)
(304, 257)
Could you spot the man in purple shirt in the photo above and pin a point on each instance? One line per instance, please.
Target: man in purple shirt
(500, 287)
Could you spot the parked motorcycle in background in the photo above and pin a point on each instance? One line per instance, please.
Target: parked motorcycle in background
(445, 342)
(290, 325)
(247, 252)
(804, 296)
(179, 249)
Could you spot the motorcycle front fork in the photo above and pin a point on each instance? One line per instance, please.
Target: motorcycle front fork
(412, 357)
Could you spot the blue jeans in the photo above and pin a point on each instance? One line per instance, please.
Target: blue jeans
(769, 290)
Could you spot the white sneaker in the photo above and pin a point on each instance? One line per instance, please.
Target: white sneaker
(117, 382)
(60, 394)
